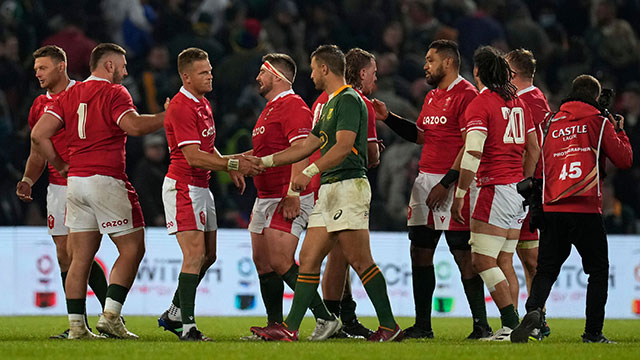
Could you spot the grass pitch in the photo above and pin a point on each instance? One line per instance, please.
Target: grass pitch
(27, 338)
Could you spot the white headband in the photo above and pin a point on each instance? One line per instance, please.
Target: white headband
(272, 69)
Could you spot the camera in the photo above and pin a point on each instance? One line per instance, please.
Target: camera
(605, 101)
(531, 190)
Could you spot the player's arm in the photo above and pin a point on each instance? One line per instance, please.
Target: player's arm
(137, 125)
(439, 192)
(41, 135)
(473, 147)
(532, 154)
(293, 154)
(373, 154)
(616, 145)
(290, 204)
(405, 128)
(216, 162)
(32, 171)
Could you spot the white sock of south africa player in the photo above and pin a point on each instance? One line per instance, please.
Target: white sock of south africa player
(112, 306)
(174, 313)
(187, 327)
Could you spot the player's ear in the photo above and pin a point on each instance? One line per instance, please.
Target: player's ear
(62, 66)
(363, 72)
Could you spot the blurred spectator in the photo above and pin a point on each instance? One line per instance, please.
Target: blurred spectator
(148, 177)
(480, 28)
(158, 80)
(618, 218)
(130, 24)
(523, 32)
(613, 43)
(75, 43)
(285, 31)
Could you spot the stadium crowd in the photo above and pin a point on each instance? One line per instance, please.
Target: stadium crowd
(568, 38)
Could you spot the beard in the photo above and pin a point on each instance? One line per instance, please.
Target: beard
(117, 77)
(319, 83)
(434, 78)
(264, 89)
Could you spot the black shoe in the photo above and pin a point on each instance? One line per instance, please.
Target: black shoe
(356, 330)
(170, 325)
(340, 335)
(480, 332)
(545, 330)
(194, 335)
(416, 332)
(62, 336)
(531, 321)
(596, 338)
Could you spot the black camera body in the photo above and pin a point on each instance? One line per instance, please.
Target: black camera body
(604, 102)
(531, 190)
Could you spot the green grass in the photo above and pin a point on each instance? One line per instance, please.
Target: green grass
(26, 338)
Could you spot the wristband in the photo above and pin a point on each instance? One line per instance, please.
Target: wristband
(460, 193)
(233, 164)
(292, 192)
(267, 161)
(449, 178)
(27, 180)
(311, 170)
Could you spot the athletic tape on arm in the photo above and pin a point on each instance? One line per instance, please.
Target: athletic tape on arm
(475, 142)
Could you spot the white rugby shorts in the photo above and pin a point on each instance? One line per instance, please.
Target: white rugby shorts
(342, 205)
(56, 209)
(264, 215)
(188, 207)
(499, 205)
(440, 219)
(102, 203)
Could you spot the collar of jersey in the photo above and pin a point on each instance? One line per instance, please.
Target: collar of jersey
(70, 84)
(483, 89)
(95, 78)
(186, 93)
(523, 91)
(338, 92)
(282, 94)
(455, 82)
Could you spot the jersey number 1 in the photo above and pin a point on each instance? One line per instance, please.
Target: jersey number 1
(82, 120)
(514, 133)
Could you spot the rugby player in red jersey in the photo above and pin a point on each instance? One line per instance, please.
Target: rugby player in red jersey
(499, 129)
(51, 71)
(188, 203)
(523, 65)
(98, 114)
(440, 131)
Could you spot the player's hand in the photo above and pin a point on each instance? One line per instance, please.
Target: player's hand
(250, 165)
(456, 210)
(238, 180)
(290, 207)
(381, 110)
(375, 164)
(436, 196)
(23, 190)
(166, 104)
(381, 146)
(300, 182)
(63, 170)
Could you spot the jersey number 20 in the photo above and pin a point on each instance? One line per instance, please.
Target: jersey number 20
(514, 133)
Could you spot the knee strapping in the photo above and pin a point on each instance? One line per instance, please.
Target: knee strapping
(492, 277)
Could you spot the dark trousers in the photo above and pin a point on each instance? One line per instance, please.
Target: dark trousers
(586, 232)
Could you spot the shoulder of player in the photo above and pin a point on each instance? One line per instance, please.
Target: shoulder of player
(292, 100)
(350, 95)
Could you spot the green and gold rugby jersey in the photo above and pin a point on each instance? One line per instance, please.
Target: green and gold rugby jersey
(345, 110)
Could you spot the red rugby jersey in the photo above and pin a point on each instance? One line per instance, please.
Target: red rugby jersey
(285, 119)
(539, 107)
(59, 140)
(91, 112)
(507, 124)
(188, 121)
(442, 119)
